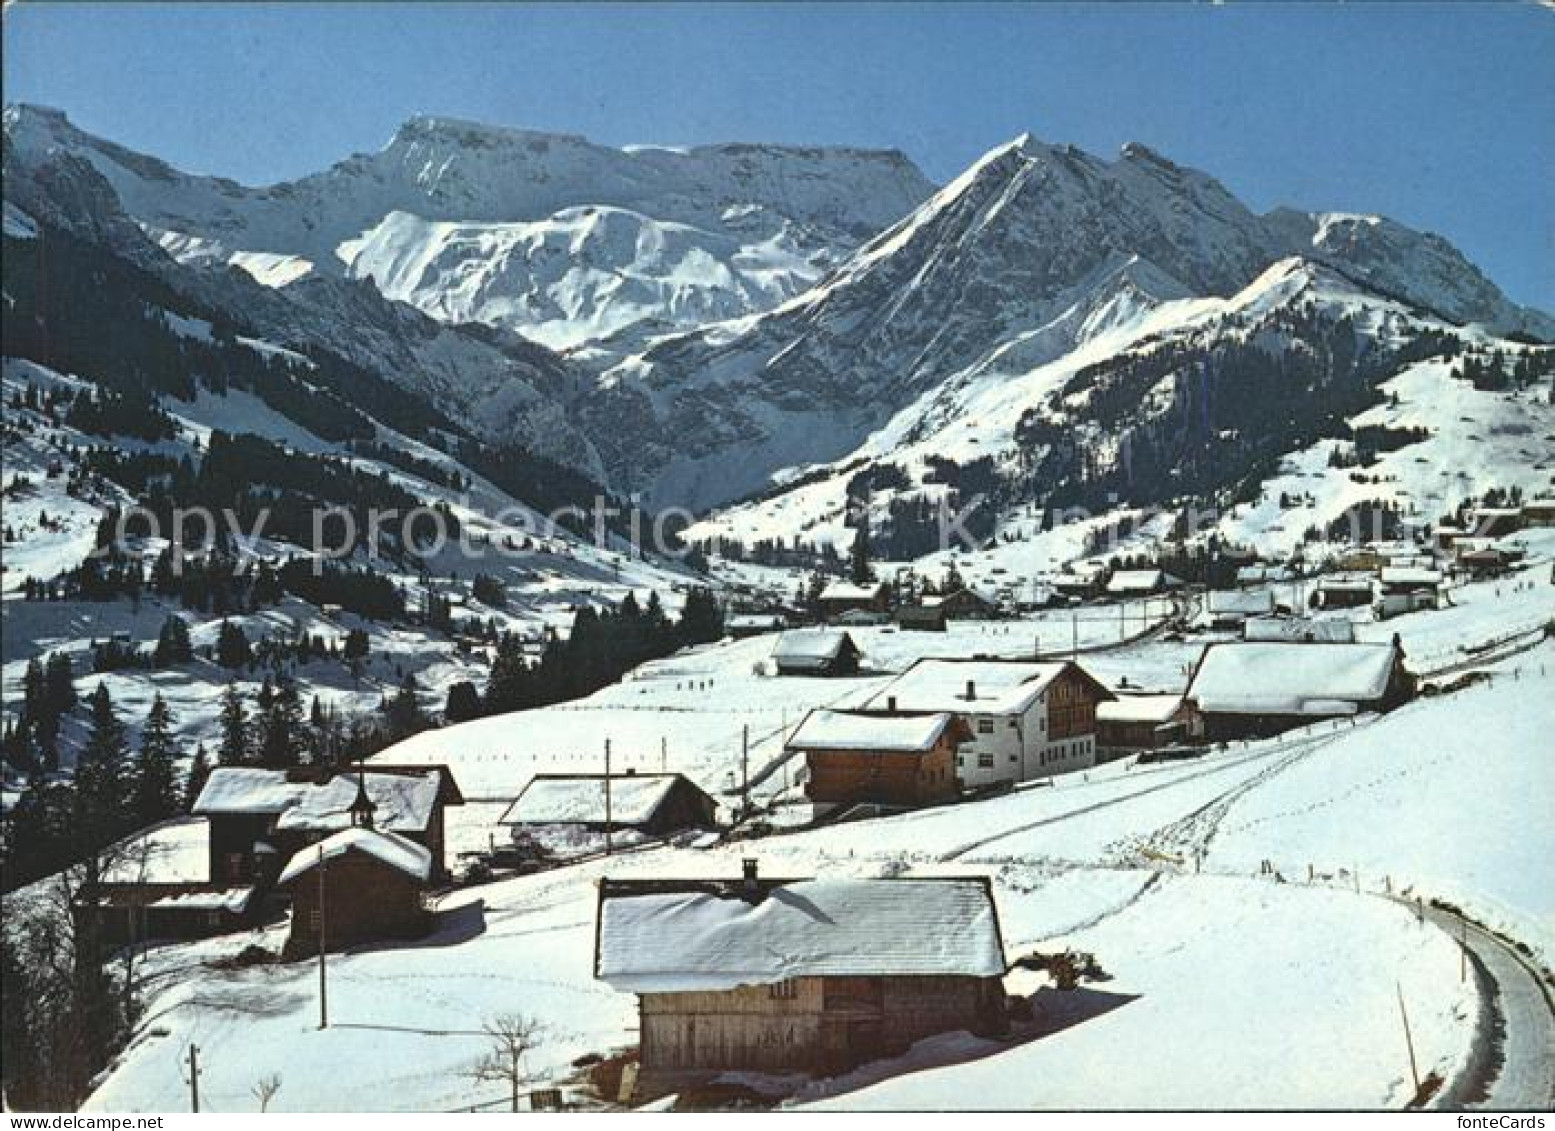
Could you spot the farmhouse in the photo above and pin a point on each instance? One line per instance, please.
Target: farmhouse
(816, 651)
(1080, 583)
(1539, 512)
(1026, 720)
(156, 885)
(357, 885)
(1229, 609)
(897, 760)
(1261, 574)
(1253, 690)
(796, 976)
(259, 818)
(1495, 522)
(1406, 589)
(1138, 722)
(652, 804)
(841, 597)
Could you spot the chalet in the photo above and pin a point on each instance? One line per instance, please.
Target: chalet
(1446, 535)
(1299, 630)
(1348, 592)
(1141, 583)
(1407, 589)
(1130, 723)
(927, 617)
(816, 651)
(796, 976)
(354, 886)
(843, 596)
(1026, 720)
(1485, 563)
(965, 604)
(1253, 690)
(156, 885)
(260, 818)
(1230, 608)
(654, 805)
(896, 760)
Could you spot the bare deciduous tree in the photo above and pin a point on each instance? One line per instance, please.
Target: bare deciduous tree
(265, 1090)
(510, 1036)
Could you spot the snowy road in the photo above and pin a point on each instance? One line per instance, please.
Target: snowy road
(1516, 1072)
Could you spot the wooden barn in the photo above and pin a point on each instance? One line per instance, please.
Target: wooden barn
(816, 651)
(358, 885)
(796, 976)
(1131, 723)
(1254, 690)
(653, 804)
(1229, 609)
(1141, 583)
(895, 760)
(742, 625)
(260, 818)
(965, 604)
(1342, 593)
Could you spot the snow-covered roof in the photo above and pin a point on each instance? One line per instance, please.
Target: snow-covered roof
(234, 900)
(847, 591)
(849, 730)
(567, 799)
(1000, 687)
(403, 801)
(755, 620)
(398, 852)
(1243, 602)
(1345, 584)
(1290, 679)
(1140, 581)
(701, 938)
(174, 852)
(1138, 708)
(809, 646)
(1255, 573)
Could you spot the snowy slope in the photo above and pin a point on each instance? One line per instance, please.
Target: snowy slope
(1245, 991)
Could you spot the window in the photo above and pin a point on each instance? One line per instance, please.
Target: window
(984, 726)
(985, 761)
(786, 990)
(235, 865)
(1014, 758)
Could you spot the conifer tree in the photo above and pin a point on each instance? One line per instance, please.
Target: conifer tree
(234, 747)
(155, 793)
(102, 774)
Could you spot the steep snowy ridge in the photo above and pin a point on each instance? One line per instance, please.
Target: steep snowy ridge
(994, 258)
(784, 212)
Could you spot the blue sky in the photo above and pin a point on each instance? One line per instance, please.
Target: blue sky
(1442, 116)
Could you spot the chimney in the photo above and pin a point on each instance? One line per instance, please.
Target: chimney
(971, 690)
(631, 771)
(750, 872)
(890, 703)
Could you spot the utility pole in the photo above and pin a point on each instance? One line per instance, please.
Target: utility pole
(1074, 634)
(323, 930)
(194, 1079)
(745, 767)
(1409, 1041)
(664, 754)
(609, 839)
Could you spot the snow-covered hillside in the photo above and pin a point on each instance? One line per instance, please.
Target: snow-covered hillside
(1256, 989)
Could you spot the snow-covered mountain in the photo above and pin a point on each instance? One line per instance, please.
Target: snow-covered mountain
(1028, 255)
(538, 232)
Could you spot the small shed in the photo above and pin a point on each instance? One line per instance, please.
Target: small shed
(966, 604)
(1141, 583)
(816, 651)
(358, 885)
(1342, 593)
(810, 976)
(652, 804)
(1299, 630)
(897, 760)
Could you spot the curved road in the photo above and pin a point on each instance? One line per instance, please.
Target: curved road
(1514, 1070)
